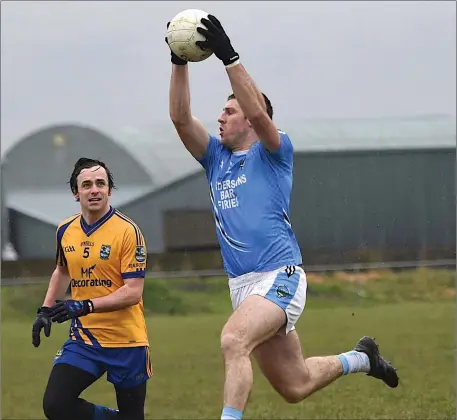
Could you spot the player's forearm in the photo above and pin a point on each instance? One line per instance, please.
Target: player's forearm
(57, 286)
(180, 95)
(246, 92)
(122, 298)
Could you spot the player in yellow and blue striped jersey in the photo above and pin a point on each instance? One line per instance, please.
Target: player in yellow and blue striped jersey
(102, 255)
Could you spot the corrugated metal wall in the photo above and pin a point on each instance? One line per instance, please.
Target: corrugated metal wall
(400, 204)
(189, 195)
(346, 207)
(32, 239)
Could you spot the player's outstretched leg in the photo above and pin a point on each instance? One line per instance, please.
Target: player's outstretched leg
(61, 398)
(296, 378)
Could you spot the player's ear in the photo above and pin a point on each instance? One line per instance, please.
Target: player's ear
(109, 192)
(76, 195)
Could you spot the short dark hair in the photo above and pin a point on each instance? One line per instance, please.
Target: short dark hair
(267, 103)
(86, 163)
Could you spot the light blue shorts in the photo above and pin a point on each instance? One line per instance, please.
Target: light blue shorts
(286, 287)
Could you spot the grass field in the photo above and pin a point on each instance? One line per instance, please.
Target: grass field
(416, 332)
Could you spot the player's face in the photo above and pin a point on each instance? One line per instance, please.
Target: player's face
(93, 189)
(233, 125)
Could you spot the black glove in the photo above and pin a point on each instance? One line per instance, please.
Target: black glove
(174, 58)
(42, 321)
(64, 310)
(217, 40)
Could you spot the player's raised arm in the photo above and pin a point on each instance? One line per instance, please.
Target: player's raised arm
(191, 131)
(246, 92)
(253, 105)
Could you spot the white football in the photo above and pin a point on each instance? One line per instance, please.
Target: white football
(182, 35)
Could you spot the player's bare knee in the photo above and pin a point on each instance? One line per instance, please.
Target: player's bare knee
(293, 394)
(233, 345)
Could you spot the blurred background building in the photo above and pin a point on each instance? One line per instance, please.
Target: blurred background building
(364, 190)
(370, 108)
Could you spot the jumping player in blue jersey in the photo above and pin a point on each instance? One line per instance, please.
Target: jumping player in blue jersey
(249, 171)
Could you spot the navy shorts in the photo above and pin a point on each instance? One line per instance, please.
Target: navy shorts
(126, 367)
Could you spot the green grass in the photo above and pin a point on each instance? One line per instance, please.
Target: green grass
(210, 295)
(415, 332)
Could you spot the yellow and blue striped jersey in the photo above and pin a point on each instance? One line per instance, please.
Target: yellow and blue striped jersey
(99, 258)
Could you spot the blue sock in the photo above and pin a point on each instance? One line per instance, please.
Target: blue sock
(103, 413)
(354, 361)
(345, 363)
(231, 414)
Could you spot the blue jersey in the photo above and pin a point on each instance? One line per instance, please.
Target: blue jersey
(250, 195)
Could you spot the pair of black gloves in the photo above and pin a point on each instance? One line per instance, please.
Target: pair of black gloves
(62, 311)
(216, 40)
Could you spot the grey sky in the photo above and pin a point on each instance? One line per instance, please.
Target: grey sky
(106, 63)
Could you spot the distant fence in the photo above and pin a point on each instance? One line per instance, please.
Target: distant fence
(395, 265)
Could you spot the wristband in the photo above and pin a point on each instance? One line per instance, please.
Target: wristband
(235, 63)
(90, 306)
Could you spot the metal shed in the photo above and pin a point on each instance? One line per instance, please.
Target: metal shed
(363, 189)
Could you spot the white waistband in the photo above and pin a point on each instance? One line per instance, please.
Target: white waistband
(250, 278)
(254, 277)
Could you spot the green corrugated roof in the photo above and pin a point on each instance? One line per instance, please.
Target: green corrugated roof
(160, 151)
(405, 133)
(163, 156)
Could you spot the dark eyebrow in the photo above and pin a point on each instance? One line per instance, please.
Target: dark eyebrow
(96, 180)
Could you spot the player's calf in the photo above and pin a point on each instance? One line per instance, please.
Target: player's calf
(295, 378)
(281, 361)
